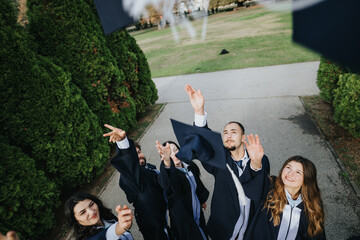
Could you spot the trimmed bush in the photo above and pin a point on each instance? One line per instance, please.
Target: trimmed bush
(27, 197)
(347, 103)
(147, 92)
(132, 61)
(44, 114)
(69, 33)
(7, 13)
(327, 78)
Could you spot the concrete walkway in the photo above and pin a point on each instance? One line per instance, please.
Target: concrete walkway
(266, 101)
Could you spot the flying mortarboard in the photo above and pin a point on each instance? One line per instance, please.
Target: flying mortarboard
(112, 15)
(199, 143)
(331, 27)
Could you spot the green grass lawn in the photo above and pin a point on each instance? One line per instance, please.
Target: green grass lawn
(253, 36)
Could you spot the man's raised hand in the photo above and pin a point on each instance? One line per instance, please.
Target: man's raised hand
(164, 153)
(196, 99)
(115, 135)
(255, 150)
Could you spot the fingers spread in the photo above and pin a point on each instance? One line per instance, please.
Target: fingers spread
(108, 134)
(109, 126)
(257, 140)
(250, 139)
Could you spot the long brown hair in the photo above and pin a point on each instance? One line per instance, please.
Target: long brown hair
(83, 232)
(310, 194)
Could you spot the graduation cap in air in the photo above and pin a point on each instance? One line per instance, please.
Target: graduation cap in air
(112, 15)
(331, 28)
(199, 143)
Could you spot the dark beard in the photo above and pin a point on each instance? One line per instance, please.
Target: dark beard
(231, 148)
(144, 163)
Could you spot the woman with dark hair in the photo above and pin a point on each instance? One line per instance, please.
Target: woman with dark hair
(293, 208)
(185, 192)
(92, 221)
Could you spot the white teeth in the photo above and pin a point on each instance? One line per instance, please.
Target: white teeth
(289, 179)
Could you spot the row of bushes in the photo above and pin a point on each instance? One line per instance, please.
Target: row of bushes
(61, 80)
(341, 88)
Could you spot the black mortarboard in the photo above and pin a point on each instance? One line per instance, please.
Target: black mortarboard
(199, 143)
(331, 27)
(112, 15)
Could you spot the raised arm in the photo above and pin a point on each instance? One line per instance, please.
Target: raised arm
(255, 150)
(196, 99)
(164, 153)
(126, 161)
(115, 135)
(257, 183)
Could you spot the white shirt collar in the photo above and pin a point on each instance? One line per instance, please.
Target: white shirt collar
(293, 202)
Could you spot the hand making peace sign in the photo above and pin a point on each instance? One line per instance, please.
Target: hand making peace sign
(115, 135)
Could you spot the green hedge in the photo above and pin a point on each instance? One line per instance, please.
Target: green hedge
(59, 84)
(327, 78)
(147, 92)
(347, 103)
(45, 115)
(27, 197)
(132, 61)
(69, 33)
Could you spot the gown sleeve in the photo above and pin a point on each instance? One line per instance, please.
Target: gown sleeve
(127, 163)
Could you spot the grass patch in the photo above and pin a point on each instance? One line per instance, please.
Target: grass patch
(345, 145)
(254, 37)
(244, 52)
(249, 17)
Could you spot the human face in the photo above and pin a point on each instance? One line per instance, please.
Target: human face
(87, 213)
(174, 150)
(232, 136)
(293, 177)
(142, 159)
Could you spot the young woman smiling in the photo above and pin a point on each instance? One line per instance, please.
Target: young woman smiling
(293, 208)
(90, 220)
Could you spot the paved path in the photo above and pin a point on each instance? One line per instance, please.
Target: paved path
(266, 101)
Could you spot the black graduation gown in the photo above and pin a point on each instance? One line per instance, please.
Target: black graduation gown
(225, 209)
(262, 227)
(178, 192)
(143, 190)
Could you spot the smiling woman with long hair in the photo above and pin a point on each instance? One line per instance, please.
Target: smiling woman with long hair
(293, 208)
(90, 220)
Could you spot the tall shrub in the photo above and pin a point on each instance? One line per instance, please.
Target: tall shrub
(27, 197)
(44, 114)
(147, 87)
(327, 78)
(130, 58)
(133, 63)
(347, 103)
(68, 32)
